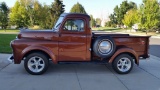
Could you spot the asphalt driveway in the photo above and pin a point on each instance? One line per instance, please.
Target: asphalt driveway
(80, 77)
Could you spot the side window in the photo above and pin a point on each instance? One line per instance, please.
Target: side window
(74, 25)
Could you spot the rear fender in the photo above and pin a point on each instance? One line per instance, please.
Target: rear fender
(125, 50)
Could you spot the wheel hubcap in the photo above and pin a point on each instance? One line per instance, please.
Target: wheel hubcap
(36, 64)
(124, 64)
(105, 47)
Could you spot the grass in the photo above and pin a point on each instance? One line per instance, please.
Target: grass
(5, 40)
(9, 31)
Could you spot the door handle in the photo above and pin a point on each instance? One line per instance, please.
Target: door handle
(83, 36)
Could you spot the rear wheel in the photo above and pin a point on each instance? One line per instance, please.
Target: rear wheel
(36, 63)
(123, 64)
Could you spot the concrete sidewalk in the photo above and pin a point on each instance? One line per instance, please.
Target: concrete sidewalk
(81, 77)
(3, 60)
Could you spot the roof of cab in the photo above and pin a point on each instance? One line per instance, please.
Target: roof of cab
(74, 14)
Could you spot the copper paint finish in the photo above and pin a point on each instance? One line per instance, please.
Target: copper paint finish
(74, 46)
(137, 43)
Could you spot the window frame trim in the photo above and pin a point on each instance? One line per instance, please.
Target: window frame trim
(72, 31)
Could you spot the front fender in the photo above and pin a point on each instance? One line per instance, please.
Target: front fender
(125, 50)
(40, 48)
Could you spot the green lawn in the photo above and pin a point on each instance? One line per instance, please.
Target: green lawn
(9, 31)
(5, 40)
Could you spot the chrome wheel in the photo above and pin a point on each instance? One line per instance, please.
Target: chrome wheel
(105, 47)
(36, 64)
(124, 64)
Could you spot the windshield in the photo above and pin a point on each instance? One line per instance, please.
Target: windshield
(58, 23)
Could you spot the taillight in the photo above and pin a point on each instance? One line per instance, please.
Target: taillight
(142, 42)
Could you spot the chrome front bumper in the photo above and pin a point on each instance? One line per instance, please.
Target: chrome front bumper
(11, 59)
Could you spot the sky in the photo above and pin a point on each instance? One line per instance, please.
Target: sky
(98, 8)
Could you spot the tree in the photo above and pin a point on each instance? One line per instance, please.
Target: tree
(57, 8)
(132, 5)
(19, 15)
(4, 11)
(120, 11)
(124, 7)
(31, 12)
(131, 17)
(150, 14)
(92, 22)
(108, 24)
(113, 21)
(159, 18)
(38, 13)
(34, 13)
(78, 8)
(45, 21)
(29, 5)
(98, 21)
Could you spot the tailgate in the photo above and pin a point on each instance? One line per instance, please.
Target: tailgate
(146, 54)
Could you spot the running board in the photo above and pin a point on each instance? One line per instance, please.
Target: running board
(80, 62)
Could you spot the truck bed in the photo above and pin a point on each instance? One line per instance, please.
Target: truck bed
(138, 43)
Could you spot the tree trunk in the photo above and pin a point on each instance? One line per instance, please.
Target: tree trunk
(31, 19)
(5, 28)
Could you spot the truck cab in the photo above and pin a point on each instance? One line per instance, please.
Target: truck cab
(74, 37)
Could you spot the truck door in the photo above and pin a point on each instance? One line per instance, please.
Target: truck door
(72, 40)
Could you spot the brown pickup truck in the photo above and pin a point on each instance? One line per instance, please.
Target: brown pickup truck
(72, 41)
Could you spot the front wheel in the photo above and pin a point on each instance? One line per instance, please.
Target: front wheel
(36, 63)
(123, 64)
